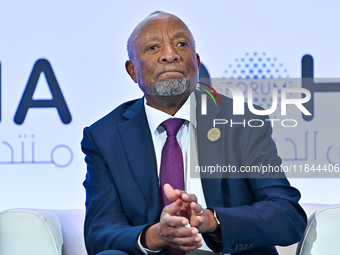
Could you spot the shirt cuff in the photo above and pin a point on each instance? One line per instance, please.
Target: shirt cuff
(143, 249)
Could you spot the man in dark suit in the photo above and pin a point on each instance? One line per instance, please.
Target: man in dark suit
(124, 211)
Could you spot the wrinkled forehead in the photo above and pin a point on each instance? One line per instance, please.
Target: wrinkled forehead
(154, 24)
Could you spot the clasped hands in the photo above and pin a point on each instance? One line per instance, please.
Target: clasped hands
(171, 230)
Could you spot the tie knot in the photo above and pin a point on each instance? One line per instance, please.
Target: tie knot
(172, 126)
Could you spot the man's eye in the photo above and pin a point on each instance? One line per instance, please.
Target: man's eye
(153, 47)
(182, 44)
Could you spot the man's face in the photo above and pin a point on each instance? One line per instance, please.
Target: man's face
(164, 58)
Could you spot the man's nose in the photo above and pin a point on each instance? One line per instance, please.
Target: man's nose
(169, 54)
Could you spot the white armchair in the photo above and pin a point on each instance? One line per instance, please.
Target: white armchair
(322, 233)
(42, 232)
(291, 249)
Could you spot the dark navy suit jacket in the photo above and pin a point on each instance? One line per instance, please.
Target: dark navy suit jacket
(122, 188)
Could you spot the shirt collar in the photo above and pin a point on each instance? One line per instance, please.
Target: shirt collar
(187, 112)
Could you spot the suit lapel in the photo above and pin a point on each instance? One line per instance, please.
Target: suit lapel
(138, 146)
(210, 153)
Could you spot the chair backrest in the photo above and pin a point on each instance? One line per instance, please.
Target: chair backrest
(72, 226)
(322, 234)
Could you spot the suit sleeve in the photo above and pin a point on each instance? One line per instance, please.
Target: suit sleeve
(106, 226)
(274, 217)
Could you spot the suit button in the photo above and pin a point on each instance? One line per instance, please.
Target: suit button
(245, 246)
(250, 245)
(240, 246)
(235, 246)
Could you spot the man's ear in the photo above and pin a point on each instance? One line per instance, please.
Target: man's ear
(198, 60)
(130, 68)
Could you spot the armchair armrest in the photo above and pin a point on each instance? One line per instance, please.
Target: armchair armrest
(30, 232)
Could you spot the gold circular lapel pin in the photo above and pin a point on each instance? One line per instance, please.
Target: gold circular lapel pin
(214, 134)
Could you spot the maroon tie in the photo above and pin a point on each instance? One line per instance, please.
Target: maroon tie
(172, 169)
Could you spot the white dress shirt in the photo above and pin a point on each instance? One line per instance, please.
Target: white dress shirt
(185, 136)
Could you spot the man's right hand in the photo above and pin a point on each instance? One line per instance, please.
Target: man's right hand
(171, 231)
